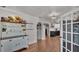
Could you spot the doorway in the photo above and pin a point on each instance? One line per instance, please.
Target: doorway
(39, 31)
(46, 34)
(46, 30)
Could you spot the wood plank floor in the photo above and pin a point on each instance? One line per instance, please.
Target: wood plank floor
(49, 45)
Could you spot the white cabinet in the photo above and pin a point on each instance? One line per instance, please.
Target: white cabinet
(13, 36)
(6, 45)
(12, 29)
(14, 44)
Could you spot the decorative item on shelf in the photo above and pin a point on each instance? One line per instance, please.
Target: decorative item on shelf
(12, 19)
(4, 19)
(18, 19)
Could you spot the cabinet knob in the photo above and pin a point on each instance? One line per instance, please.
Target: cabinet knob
(10, 40)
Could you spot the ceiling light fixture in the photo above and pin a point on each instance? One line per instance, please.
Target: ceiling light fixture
(53, 14)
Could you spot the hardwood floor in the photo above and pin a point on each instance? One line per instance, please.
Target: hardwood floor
(49, 45)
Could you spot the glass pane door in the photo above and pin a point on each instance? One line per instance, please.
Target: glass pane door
(69, 46)
(76, 28)
(75, 48)
(76, 39)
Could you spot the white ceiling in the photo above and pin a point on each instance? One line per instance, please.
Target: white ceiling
(43, 11)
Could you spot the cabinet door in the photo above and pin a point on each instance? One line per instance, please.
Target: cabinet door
(16, 44)
(25, 42)
(6, 45)
(19, 43)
